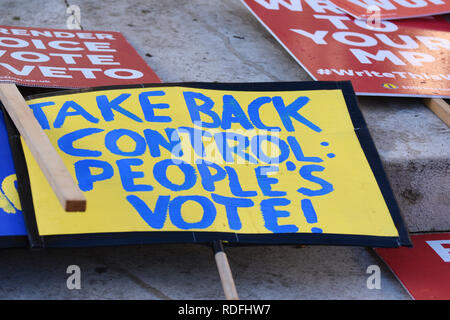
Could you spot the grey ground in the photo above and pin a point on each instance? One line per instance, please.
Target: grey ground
(213, 40)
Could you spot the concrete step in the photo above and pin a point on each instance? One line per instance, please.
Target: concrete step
(414, 145)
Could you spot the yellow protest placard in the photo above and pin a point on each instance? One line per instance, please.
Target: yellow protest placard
(235, 162)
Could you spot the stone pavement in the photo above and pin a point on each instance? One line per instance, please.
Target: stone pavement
(213, 40)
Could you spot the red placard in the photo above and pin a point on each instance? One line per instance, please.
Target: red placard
(407, 58)
(424, 270)
(393, 9)
(69, 58)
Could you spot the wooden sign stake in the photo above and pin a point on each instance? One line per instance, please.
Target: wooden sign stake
(440, 107)
(51, 164)
(226, 277)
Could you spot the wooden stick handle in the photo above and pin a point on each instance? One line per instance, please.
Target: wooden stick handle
(226, 277)
(440, 107)
(51, 164)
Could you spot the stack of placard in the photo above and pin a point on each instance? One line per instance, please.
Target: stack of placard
(242, 163)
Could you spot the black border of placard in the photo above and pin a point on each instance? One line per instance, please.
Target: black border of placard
(128, 238)
(13, 242)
